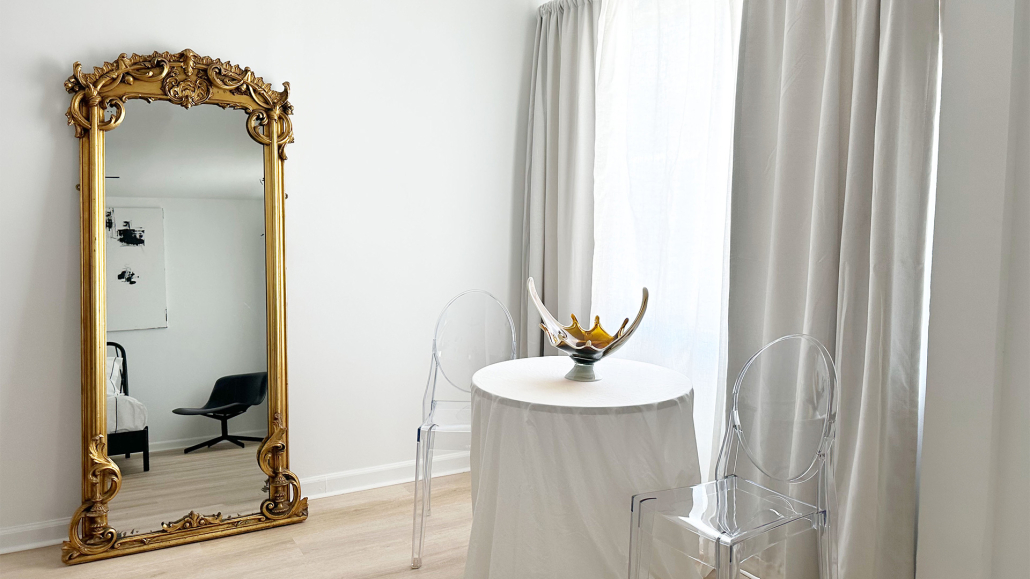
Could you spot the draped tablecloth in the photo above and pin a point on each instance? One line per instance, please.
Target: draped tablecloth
(555, 463)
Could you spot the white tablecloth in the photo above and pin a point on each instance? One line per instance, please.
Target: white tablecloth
(555, 463)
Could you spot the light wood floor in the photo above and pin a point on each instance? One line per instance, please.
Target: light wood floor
(223, 479)
(361, 535)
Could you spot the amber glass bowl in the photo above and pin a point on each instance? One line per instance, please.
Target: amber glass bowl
(585, 347)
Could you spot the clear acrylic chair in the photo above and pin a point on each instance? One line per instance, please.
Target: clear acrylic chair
(783, 424)
(473, 331)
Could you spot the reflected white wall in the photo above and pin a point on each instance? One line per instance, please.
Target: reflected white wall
(215, 276)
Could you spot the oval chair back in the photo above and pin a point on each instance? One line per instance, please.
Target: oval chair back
(784, 411)
(473, 331)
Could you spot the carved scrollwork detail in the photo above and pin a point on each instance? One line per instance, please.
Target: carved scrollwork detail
(192, 520)
(88, 532)
(254, 120)
(123, 70)
(192, 524)
(89, 88)
(284, 486)
(186, 92)
(243, 82)
(259, 119)
(285, 133)
(183, 78)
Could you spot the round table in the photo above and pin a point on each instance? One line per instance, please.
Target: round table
(555, 463)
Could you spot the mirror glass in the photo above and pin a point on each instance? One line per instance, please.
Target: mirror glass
(185, 274)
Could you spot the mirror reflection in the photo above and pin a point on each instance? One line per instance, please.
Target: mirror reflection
(186, 357)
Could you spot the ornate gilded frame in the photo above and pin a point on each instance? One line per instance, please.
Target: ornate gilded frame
(187, 79)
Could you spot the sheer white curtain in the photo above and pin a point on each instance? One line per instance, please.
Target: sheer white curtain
(666, 74)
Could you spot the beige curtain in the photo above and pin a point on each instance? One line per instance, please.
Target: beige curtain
(832, 155)
(558, 229)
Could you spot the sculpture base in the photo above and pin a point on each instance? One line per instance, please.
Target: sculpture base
(582, 373)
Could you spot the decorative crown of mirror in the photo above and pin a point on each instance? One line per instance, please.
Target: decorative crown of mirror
(585, 347)
(183, 283)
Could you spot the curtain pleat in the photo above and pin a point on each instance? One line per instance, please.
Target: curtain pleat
(833, 137)
(558, 228)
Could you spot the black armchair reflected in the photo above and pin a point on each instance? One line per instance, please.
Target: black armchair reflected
(230, 397)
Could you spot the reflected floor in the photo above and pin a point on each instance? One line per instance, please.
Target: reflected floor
(222, 479)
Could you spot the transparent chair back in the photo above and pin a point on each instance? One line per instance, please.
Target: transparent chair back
(780, 435)
(784, 411)
(474, 330)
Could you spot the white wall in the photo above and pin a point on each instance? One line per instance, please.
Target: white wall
(216, 316)
(974, 513)
(405, 187)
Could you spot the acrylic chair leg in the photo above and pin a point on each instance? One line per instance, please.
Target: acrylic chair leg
(418, 533)
(429, 472)
(640, 538)
(726, 562)
(634, 538)
(826, 536)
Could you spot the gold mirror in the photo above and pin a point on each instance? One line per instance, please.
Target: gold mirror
(182, 267)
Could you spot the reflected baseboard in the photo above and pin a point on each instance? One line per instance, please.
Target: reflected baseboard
(360, 479)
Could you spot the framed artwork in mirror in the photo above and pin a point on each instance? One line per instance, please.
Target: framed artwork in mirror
(193, 230)
(135, 268)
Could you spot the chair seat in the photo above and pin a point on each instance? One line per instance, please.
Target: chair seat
(730, 511)
(450, 416)
(225, 408)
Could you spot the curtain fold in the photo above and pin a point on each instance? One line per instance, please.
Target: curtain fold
(832, 155)
(558, 227)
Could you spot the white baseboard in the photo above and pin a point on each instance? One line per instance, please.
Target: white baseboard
(45, 533)
(360, 479)
(188, 442)
(33, 535)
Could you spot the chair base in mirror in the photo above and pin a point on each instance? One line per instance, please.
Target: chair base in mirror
(237, 440)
